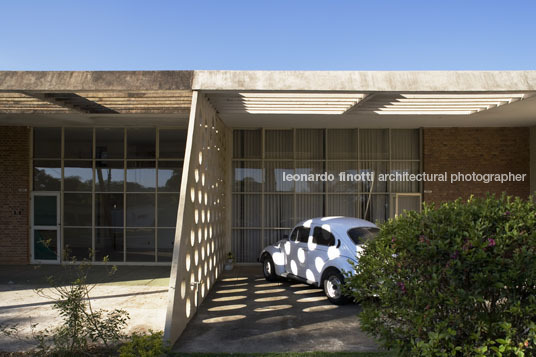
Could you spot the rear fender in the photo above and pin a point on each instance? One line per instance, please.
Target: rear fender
(277, 256)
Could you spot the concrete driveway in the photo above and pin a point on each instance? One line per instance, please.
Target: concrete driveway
(142, 291)
(245, 313)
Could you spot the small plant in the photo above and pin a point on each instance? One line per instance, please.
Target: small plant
(454, 280)
(84, 329)
(145, 345)
(229, 263)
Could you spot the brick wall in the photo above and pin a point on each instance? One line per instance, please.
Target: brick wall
(14, 194)
(479, 150)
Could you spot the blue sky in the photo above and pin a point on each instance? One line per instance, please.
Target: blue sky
(267, 35)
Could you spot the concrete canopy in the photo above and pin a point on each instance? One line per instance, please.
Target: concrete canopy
(389, 99)
(277, 99)
(95, 98)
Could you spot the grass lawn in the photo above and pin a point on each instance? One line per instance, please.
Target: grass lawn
(290, 354)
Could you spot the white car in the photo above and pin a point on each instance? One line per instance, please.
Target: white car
(318, 252)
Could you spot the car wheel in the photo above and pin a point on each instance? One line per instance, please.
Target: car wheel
(268, 268)
(333, 284)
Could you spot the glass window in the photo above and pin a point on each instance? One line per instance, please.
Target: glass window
(141, 176)
(279, 144)
(168, 204)
(404, 144)
(374, 144)
(47, 175)
(166, 238)
(294, 234)
(77, 175)
(347, 183)
(141, 143)
(109, 209)
(310, 169)
(77, 243)
(247, 144)
(246, 210)
(376, 167)
(309, 206)
(402, 168)
(109, 176)
(303, 234)
(378, 209)
(45, 244)
(323, 237)
(140, 210)
(172, 143)
(273, 236)
(247, 176)
(77, 209)
(361, 235)
(140, 245)
(109, 242)
(260, 186)
(342, 144)
(169, 176)
(109, 143)
(278, 210)
(78, 143)
(47, 143)
(45, 210)
(246, 244)
(310, 143)
(342, 205)
(276, 172)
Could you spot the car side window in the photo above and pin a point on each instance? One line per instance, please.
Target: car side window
(323, 237)
(303, 234)
(294, 234)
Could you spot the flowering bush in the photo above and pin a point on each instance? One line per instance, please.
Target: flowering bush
(454, 280)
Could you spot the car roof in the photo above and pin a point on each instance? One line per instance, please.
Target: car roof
(337, 222)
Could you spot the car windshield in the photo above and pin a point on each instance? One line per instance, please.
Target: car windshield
(361, 235)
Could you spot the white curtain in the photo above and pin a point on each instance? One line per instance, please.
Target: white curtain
(342, 144)
(404, 144)
(309, 143)
(247, 144)
(373, 144)
(342, 205)
(279, 144)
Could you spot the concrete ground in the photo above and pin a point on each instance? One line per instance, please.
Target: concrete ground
(140, 290)
(245, 313)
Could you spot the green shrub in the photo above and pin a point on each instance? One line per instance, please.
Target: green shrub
(83, 330)
(150, 345)
(454, 280)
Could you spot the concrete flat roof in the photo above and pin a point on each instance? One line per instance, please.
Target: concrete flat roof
(367, 81)
(276, 99)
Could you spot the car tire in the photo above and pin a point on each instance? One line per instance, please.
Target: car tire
(268, 268)
(333, 283)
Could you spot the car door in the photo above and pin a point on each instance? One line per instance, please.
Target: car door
(295, 249)
(322, 247)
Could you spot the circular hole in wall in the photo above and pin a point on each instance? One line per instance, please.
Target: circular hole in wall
(188, 307)
(183, 289)
(187, 261)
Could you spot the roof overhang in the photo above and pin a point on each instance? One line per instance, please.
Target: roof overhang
(273, 98)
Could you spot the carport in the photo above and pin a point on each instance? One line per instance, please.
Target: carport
(246, 314)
